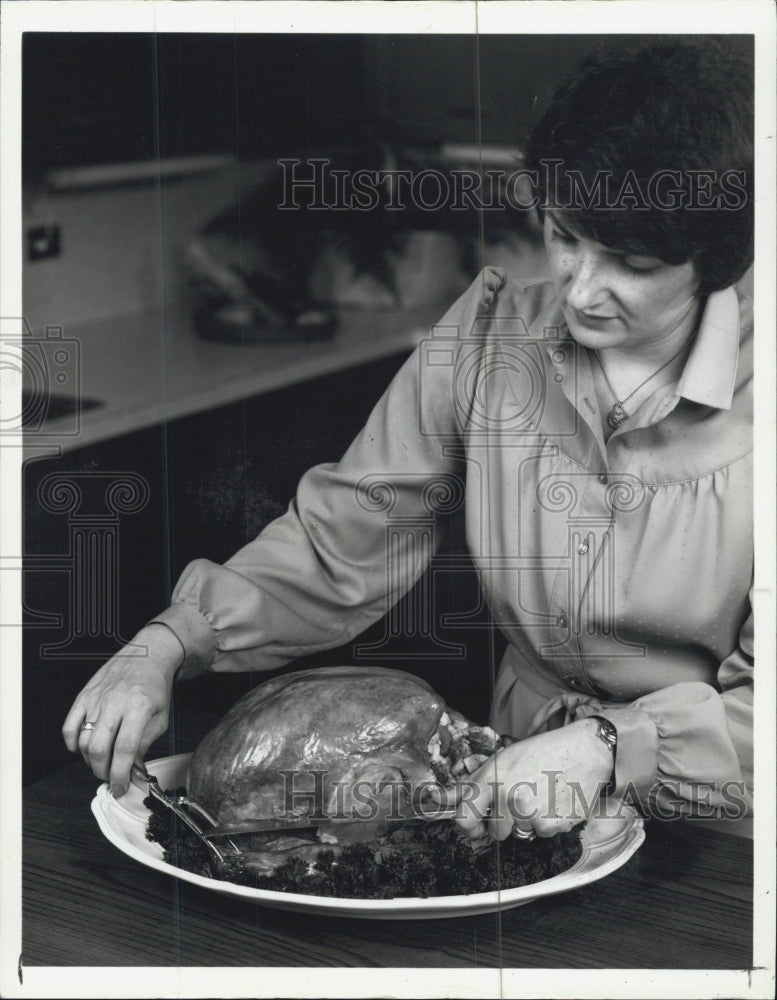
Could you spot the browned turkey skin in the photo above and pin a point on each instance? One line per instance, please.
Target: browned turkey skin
(349, 742)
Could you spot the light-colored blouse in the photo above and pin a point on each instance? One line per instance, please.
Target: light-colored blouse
(618, 571)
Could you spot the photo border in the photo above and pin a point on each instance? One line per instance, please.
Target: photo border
(576, 16)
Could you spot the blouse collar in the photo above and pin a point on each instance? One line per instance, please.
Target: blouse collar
(709, 375)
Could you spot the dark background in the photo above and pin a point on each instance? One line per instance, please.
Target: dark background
(95, 98)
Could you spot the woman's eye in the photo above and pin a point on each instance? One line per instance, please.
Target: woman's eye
(637, 266)
(564, 237)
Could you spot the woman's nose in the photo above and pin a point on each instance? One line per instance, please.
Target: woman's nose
(587, 281)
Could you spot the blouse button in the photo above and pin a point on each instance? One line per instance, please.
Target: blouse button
(602, 477)
(572, 682)
(582, 548)
(562, 621)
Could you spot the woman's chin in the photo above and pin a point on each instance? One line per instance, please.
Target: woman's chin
(594, 339)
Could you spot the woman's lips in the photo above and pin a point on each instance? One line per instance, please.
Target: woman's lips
(592, 319)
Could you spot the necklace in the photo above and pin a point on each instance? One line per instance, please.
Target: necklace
(618, 414)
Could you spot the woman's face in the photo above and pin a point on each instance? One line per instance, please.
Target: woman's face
(615, 299)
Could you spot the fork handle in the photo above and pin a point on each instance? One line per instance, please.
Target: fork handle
(140, 777)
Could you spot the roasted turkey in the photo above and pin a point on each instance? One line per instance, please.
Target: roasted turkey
(333, 741)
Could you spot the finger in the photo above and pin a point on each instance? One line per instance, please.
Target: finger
(517, 811)
(99, 749)
(487, 811)
(135, 735)
(565, 825)
(84, 738)
(550, 801)
(558, 814)
(500, 822)
(570, 813)
(472, 827)
(482, 807)
(473, 807)
(577, 813)
(126, 748)
(547, 826)
(71, 728)
(443, 796)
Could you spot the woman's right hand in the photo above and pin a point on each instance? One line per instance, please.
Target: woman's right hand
(128, 700)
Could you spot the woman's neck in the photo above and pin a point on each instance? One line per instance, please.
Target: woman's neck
(627, 377)
(626, 366)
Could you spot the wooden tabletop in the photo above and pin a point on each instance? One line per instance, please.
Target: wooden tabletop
(683, 901)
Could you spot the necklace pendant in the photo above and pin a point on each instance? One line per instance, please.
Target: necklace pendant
(617, 416)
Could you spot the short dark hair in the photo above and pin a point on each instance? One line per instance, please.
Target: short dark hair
(669, 124)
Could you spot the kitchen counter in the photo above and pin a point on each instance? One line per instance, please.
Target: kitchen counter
(684, 901)
(151, 367)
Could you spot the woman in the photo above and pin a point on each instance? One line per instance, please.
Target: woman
(598, 427)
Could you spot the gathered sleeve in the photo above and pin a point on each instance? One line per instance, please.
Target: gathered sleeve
(331, 565)
(687, 749)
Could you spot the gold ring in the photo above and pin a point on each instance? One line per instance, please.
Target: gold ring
(88, 727)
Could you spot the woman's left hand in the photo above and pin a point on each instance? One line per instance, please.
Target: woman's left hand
(546, 783)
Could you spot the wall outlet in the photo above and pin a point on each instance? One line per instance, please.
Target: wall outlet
(43, 241)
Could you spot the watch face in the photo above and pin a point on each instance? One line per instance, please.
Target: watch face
(608, 733)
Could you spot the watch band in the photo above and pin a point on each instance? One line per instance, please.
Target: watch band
(608, 734)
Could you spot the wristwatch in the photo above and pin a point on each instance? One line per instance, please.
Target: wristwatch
(607, 732)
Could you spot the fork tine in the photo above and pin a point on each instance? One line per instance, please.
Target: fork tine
(148, 783)
(184, 800)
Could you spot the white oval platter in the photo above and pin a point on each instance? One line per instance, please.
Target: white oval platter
(608, 843)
